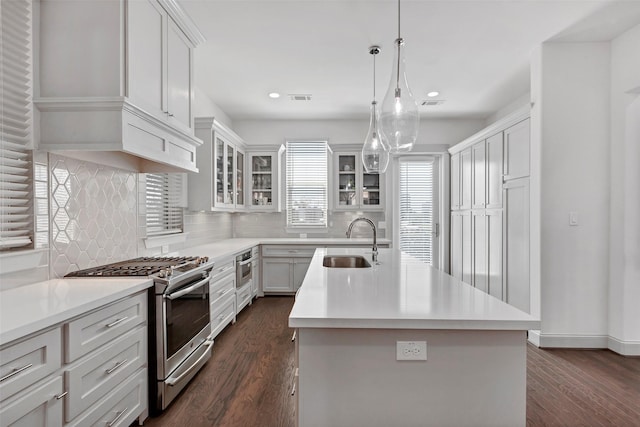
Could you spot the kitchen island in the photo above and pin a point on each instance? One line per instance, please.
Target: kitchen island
(349, 322)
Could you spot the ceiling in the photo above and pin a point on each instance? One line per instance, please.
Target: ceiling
(475, 53)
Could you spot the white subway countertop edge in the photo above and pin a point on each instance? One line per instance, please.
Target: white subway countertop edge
(399, 293)
(31, 308)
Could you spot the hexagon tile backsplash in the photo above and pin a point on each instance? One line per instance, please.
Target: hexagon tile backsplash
(93, 215)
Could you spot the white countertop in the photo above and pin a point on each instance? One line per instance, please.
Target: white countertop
(399, 293)
(230, 247)
(28, 309)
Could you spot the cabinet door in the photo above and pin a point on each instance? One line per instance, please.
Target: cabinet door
(372, 190)
(263, 181)
(455, 181)
(516, 151)
(346, 185)
(229, 192)
(146, 22)
(494, 171)
(516, 243)
(219, 175)
(40, 407)
(300, 267)
(466, 179)
(456, 245)
(467, 262)
(239, 179)
(480, 251)
(178, 77)
(478, 152)
(277, 275)
(494, 251)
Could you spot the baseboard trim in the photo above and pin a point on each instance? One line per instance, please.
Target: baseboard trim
(572, 341)
(625, 348)
(534, 337)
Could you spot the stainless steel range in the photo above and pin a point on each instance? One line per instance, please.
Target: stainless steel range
(179, 319)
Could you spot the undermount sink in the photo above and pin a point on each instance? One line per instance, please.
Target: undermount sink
(345, 261)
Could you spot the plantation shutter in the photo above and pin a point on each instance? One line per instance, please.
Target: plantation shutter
(306, 165)
(163, 200)
(16, 210)
(416, 208)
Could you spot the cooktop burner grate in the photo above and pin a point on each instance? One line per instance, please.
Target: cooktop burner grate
(143, 266)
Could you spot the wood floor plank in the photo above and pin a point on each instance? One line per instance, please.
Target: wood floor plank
(248, 381)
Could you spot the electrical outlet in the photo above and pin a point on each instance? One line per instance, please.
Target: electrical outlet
(382, 225)
(164, 249)
(411, 350)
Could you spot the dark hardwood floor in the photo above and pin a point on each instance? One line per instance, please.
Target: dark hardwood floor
(248, 380)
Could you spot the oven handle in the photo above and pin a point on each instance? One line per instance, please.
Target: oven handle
(182, 292)
(173, 381)
(245, 262)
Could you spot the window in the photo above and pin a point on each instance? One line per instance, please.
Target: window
(307, 186)
(416, 207)
(163, 203)
(16, 182)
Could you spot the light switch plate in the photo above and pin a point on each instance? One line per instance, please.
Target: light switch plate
(573, 219)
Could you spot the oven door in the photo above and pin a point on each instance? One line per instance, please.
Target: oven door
(243, 272)
(186, 322)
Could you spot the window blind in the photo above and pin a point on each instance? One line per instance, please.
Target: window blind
(16, 210)
(416, 208)
(306, 165)
(163, 196)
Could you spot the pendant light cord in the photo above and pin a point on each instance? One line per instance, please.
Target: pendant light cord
(398, 41)
(374, 77)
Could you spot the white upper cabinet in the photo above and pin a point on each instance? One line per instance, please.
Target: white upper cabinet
(494, 171)
(516, 150)
(264, 179)
(117, 77)
(466, 178)
(353, 188)
(220, 183)
(455, 181)
(479, 156)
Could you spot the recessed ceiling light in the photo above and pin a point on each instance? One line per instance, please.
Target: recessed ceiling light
(274, 95)
(433, 94)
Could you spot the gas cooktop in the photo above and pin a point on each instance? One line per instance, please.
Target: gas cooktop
(143, 266)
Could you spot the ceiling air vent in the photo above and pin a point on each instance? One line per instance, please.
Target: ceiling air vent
(432, 102)
(299, 97)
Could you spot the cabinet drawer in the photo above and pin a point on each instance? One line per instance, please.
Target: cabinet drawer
(120, 407)
(223, 315)
(102, 326)
(288, 251)
(26, 362)
(39, 407)
(221, 289)
(100, 372)
(222, 269)
(243, 297)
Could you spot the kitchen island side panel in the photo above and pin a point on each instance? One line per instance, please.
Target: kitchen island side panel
(470, 378)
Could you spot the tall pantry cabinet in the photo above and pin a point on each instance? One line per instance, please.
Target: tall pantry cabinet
(490, 210)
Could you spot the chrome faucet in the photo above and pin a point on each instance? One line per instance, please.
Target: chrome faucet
(373, 227)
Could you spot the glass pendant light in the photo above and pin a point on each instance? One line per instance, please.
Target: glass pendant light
(399, 118)
(375, 156)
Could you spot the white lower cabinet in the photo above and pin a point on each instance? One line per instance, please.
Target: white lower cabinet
(40, 406)
(223, 296)
(244, 297)
(284, 267)
(516, 246)
(104, 382)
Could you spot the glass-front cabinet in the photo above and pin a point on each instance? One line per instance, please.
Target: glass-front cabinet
(353, 187)
(219, 185)
(264, 180)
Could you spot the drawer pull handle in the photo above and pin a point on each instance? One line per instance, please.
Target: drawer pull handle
(108, 371)
(222, 292)
(112, 324)
(16, 372)
(118, 415)
(221, 317)
(293, 338)
(292, 252)
(293, 389)
(60, 396)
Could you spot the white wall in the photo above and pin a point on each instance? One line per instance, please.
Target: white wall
(624, 254)
(203, 106)
(270, 132)
(574, 97)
